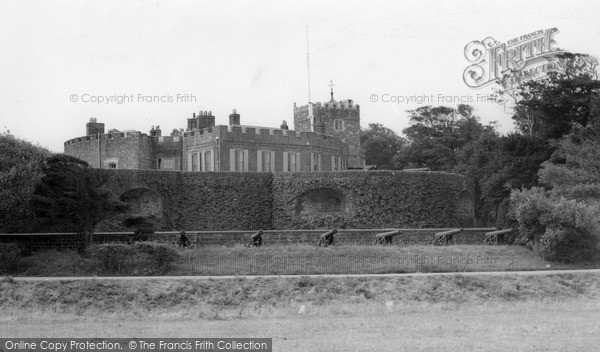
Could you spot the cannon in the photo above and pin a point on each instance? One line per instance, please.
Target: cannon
(444, 237)
(386, 238)
(496, 237)
(256, 239)
(326, 239)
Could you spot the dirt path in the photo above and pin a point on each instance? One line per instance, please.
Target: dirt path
(473, 273)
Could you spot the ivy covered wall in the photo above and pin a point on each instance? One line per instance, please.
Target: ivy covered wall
(380, 199)
(303, 200)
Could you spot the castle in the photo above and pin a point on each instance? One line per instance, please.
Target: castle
(326, 137)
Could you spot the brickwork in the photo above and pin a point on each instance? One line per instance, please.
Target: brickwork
(222, 139)
(187, 152)
(40, 242)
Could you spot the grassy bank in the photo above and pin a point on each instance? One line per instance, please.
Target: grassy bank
(449, 313)
(304, 260)
(239, 298)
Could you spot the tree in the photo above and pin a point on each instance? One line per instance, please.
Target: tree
(562, 102)
(437, 133)
(71, 197)
(499, 164)
(380, 145)
(20, 171)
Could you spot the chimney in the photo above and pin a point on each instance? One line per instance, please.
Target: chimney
(234, 118)
(158, 131)
(93, 127)
(284, 125)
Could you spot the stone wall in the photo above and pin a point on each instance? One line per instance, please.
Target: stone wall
(352, 199)
(125, 150)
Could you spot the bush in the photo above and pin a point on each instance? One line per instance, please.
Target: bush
(143, 258)
(10, 257)
(112, 256)
(161, 254)
(564, 230)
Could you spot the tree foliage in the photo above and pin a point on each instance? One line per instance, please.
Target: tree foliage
(563, 102)
(380, 145)
(564, 219)
(20, 170)
(71, 197)
(436, 134)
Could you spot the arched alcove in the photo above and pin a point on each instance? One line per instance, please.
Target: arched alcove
(321, 201)
(144, 202)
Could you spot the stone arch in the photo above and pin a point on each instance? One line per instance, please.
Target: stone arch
(144, 201)
(321, 201)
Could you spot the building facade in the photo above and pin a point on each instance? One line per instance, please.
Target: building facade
(329, 143)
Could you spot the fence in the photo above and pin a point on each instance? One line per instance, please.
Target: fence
(274, 264)
(43, 241)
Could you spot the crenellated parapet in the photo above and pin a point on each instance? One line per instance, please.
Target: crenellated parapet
(106, 137)
(347, 104)
(264, 137)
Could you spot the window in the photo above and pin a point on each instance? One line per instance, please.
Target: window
(316, 162)
(166, 164)
(338, 125)
(238, 160)
(265, 161)
(208, 161)
(195, 162)
(335, 163)
(112, 165)
(291, 162)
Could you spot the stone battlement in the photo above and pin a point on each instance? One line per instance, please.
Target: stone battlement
(347, 104)
(265, 135)
(116, 135)
(106, 136)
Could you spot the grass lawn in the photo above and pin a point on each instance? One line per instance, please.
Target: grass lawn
(305, 260)
(549, 326)
(459, 313)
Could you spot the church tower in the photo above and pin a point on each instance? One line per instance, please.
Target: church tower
(335, 118)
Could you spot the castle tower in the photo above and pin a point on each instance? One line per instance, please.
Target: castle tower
(340, 119)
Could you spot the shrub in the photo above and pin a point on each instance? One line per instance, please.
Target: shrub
(112, 256)
(565, 230)
(147, 258)
(161, 254)
(10, 257)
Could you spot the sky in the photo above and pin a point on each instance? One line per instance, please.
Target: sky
(164, 60)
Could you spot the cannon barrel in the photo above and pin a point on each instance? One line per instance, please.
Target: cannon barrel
(448, 233)
(329, 233)
(386, 234)
(499, 232)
